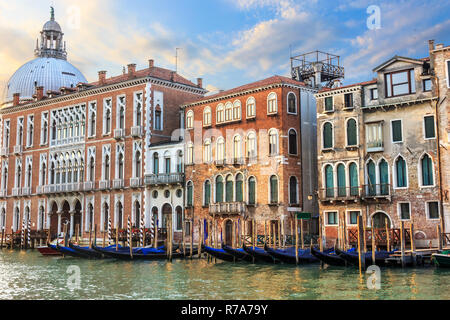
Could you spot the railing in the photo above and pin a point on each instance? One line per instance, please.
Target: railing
(136, 131)
(135, 182)
(89, 185)
(380, 236)
(4, 151)
(118, 183)
(340, 193)
(16, 192)
(26, 191)
(237, 161)
(164, 178)
(3, 193)
(376, 190)
(119, 134)
(40, 189)
(18, 149)
(375, 146)
(219, 163)
(228, 208)
(104, 184)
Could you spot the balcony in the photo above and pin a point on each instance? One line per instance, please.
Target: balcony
(16, 192)
(228, 208)
(40, 189)
(89, 185)
(237, 161)
(340, 194)
(375, 146)
(119, 134)
(135, 182)
(164, 179)
(3, 193)
(219, 163)
(136, 132)
(118, 184)
(4, 152)
(26, 191)
(376, 191)
(18, 149)
(104, 184)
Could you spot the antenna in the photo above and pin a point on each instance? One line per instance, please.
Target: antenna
(176, 59)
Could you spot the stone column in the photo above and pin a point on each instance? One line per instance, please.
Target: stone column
(72, 214)
(59, 222)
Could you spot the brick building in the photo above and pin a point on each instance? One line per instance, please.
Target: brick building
(244, 155)
(377, 153)
(77, 152)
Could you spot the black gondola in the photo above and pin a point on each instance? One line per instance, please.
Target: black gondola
(137, 255)
(219, 254)
(239, 254)
(91, 253)
(353, 257)
(288, 256)
(259, 254)
(328, 258)
(66, 251)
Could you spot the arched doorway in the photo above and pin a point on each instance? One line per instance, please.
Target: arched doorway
(379, 220)
(228, 232)
(54, 220)
(166, 213)
(77, 218)
(65, 216)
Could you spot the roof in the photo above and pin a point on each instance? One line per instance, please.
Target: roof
(257, 84)
(156, 72)
(365, 83)
(396, 58)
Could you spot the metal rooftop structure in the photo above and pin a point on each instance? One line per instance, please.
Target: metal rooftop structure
(317, 68)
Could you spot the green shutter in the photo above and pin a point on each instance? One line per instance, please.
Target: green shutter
(329, 181)
(353, 179)
(429, 127)
(384, 178)
(371, 178)
(273, 189)
(327, 135)
(427, 171)
(189, 195)
(397, 131)
(404, 211)
(401, 172)
(328, 104)
(229, 191)
(251, 191)
(351, 132)
(354, 217)
(341, 180)
(219, 190)
(433, 210)
(207, 193)
(239, 191)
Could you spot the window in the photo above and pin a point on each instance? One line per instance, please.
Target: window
(190, 153)
(429, 127)
(251, 145)
(155, 163)
(292, 103)
(106, 168)
(396, 128)
(239, 188)
(432, 209)
(219, 189)
(331, 218)
(292, 141)
(237, 147)
(401, 175)
(251, 107)
(121, 112)
(137, 164)
(229, 188)
(228, 111)
(273, 142)
(158, 120)
(237, 110)
(119, 222)
(371, 178)
(91, 170)
(273, 190)
(120, 167)
(272, 106)
(179, 214)
(30, 130)
(384, 177)
(252, 191)
(44, 128)
(167, 163)
(374, 94)
(293, 195)
(448, 73)
(329, 181)
(220, 113)
(92, 115)
(348, 101)
(342, 189)
(353, 217)
(107, 107)
(207, 152)
(190, 194)
(426, 166)
(137, 108)
(190, 119)
(400, 83)
(207, 117)
(220, 156)
(374, 136)
(6, 133)
(327, 135)
(426, 85)
(405, 210)
(329, 104)
(353, 179)
(207, 194)
(19, 132)
(352, 139)
(179, 161)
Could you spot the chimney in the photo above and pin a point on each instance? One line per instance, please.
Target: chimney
(200, 82)
(172, 76)
(131, 70)
(39, 93)
(102, 77)
(151, 63)
(430, 45)
(16, 99)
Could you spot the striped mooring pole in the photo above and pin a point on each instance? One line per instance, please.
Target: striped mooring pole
(109, 232)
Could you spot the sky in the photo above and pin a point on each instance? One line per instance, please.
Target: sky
(226, 42)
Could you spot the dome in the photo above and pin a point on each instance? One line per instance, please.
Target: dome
(50, 73)
(52, 25)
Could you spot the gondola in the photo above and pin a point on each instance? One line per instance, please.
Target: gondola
(219, 254)
(238, 253)
(288, 256)
(442, 259)
(353, 257)
(259, 254)
(89, 251)
(66, 251)
(138, 254)
(330, 258)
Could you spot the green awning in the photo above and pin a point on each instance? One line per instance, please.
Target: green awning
(303, 215)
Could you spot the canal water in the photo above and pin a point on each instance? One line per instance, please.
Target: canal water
(28, 275)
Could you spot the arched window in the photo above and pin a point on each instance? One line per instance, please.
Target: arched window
(207, 152)
(3, 219)
(52, 173)
(351, 133)
(371, 178)
(155, 163)
(137, 214)
(273, 142)
(237, 110)
(329, 181)
(353, 179)
(207, 117)
(239, 188)
(252, 191)
(122, 117)
(190, 119)
(251, 145)
(92, 132)
(292, 103)
(16, 220)
(180, 161)
(292, 141)
(220, 113)
(293, 194)
(426, 165)
(400, 170)
(207, 193)
(190, 194)
(41, 218)
(251, 107)
(190, 153)
(106, 166)
(91, 170)
(120, 176)
(272, 106)
(179, 217)
(105, 216)
(219, 189)
(43, 173)
(167, 163)
(228, 111)
(384, 177)
(229, 189)
(273, 189)
(220, 154)
(342, 190)
(237, 147)
(158, 119)
(119, 215)
(90, 217)
(327, 133)
(137, 164)
(108, 121)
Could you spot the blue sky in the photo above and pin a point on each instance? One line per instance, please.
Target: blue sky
(227, 42)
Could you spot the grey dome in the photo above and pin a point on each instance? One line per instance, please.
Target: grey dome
(50, 73)
(52, 25)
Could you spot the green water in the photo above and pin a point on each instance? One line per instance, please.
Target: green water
(28, 275)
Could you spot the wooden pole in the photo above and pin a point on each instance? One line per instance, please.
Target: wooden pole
(413, 245)
(104, 238)
(183, 236)
(439, 236)
(345, 233)
(361, 251)
(388, 235)
(117, 238)
(292, 231)
(156, 234)
(3, 236)
(170, 234)
(95, 234)
(279, 233)
(90, 236)
(192, 237)
(200, 238)
(296, 240)
(301, 234)
(265, 232)
(402, 242)
(373, 243)
(320, 233)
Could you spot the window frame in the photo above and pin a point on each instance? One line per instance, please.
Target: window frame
(410, 83)
(356, 133)
(401, 131)
(399, 210)
(424, 86)
(189, 120)
(352, 105)
(420, 172)
(253, 114)
(327, 224)
(295, 103)
(207, 111)
(325, 104)
(269, 99)
(323, 136)
(427, 210)
(425, 128)
(348, 216)
(372, 96)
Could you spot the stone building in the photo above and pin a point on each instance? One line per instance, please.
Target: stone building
(77, 152)
(377, 152)
(244, 155)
